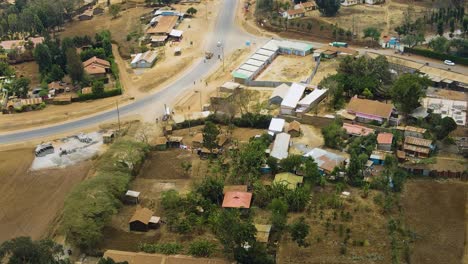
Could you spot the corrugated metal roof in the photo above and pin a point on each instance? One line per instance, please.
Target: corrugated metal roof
(293, 96)
(265, 52)
(248, 67)
(256, 63)
(280, 91)
(276, 125)
(281, 146)
(311, 98)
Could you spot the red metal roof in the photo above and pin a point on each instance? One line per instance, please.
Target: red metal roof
(237, 200)
(384, 138)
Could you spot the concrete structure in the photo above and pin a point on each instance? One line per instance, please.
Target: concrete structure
(280, 146)
(289, 179)
(417, 147)
(237, 200)
(384, 141)
(276, 126)
(451, 108)
(294, 13)
(278, 94)
(368, 110)
(289, 104)
(144, 60)
(326, 160)
(311, 100)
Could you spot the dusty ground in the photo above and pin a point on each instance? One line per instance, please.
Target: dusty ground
(326, 68)
(311, 137)
(288, 68)
(436, 212)
(29, 70)
(31, 201)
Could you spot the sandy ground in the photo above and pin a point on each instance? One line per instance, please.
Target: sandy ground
(311, 137)
(326, 68)
(288, 68)
(435, 211)
(31, 201)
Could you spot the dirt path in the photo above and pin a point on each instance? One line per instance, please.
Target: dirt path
(31, 201)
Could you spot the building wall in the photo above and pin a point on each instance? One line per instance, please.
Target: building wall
(385, 147)
(287, 110)
(138, 226)
(413, 134)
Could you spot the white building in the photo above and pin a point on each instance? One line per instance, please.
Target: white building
(311, 100)
(444, 107)
(289, 104)
(281, 146)
(279, 93)
(349, 2)
(276, 126)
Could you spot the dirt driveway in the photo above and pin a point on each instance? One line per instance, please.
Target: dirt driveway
(31, 201)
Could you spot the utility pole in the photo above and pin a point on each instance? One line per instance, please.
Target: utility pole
(118, 114)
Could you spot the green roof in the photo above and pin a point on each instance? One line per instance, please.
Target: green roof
(236, 74)
(289, 179)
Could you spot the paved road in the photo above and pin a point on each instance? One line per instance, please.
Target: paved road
(225, 30)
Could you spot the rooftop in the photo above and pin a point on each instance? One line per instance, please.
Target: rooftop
(294, 126)
(357, 129)
(148, 56)
(292, 12)
(293, 96)
(418, 142)
(315, 95)
(370, 107)
(281, 146)
(276, 125)
(263, 232)
(142, 215)
(385, 138)
(280, 91)
(237, 199)
(289, 179)
(164, 26)
(326, 160)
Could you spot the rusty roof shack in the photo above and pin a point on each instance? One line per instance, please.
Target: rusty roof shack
(417, 147)
(237, 199)
(96, 67)
(368, 110)
(384, 141)
(357, 130)
(143, 219)
(294, 129)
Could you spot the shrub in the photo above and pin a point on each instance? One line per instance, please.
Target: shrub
(437, 55)
(202, 248)
(104, 94)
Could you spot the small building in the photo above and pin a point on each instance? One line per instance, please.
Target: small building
(417, 147)
(86, 15)
(165, 25)
(289, 104)
(378, 157)
(294, 13)
(176, 34)
(132, 197)
(384, 141)
(349, 2)
(294, 129)
(411, 131)
(96, 67)
(108, 137)
(159, 143)
(144, 60)
(280, 146)
(197, 141)
(369, 110)
(86, 90)
(230, 87)
(58, 87)
(276, 126)
(177, 51)
(278, 94)
(357, 130)
(142, 220)
(174, 142)
(263, 233)
(307, 6)
(234, 188)
(311, 100)
(44, 149)
(158, 40)
(288, 179)
(237, 199)
(326, 160)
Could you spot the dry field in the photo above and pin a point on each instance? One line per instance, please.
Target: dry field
(326, 68)
(435, 211)
(29, 70)
(31, 201)
(288, 68)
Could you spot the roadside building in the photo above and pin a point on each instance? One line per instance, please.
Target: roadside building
(311, 100)
(369, 110)
(237, 200)
(86, 15)
(276, 126)
(289, 179)
(234, 188)
(326, 160)
(263, 233)
(357, 130)
(144, 60)
(197, 141)
(294, 13)
(384, 141)
(96, 67)
(280, 146)
(159, 143)
(294, 129)
(143, 219)
(278, 94)
(176, 34)
(289, 104)
(417, 147)
(165, 25)
(108, 137)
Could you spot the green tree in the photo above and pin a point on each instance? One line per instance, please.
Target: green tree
(297, 199)
(407, 90)
(452, 25)
(202, 248)
(446, 126)
(114, 10)
(255, 253)
(311, 171)
(19, 86)
(440, 28)
(43, 57)
(367, 93)
(210, 135)
(192, 11)
(299, 231)
(328, 7)
(23, 250)
(372, 33)
(291, 163)
(98, 88)
(335, 91)
(439, 44)
(56, 73)
(211, 188)
(170, 200)
(333, 134)
(74, 66)
(6, 69)
(356, 167)
(279, 213)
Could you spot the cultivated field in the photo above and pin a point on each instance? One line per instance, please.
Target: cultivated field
(435, 211)
(31, 201)
(288, 68)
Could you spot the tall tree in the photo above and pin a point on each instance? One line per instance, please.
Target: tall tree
(19, 86)
(210, 135)
(43, 57)
(56, 73)
(299, 232)
(74, 65)
(98, 88)
(439, 44)
(440, 28)
(333, 134)
(372, 32)
(23, 250)
(407, 90)
(328, 7)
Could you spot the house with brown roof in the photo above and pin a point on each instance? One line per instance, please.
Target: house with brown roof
(237, 199)
(307, 6)
(164, 26)
(96, 67)
(144, 60)
(143, 219)
(294, 13)
(384, 141)
(417, 147)
(357, 130)
(294, 129)
(18, 44)
(369, 110)
(58, 87)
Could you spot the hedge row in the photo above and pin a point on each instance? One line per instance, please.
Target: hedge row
(91, 204)
(437, 55)
(105, 94)
(246, 120)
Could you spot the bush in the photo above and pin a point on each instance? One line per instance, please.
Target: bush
(105, 94)
(437, 55)
(202, 248)
(163, 248)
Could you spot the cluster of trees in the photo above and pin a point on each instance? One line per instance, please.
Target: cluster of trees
(457, 47)
(328, 7)
(24, 250)
(15, 86)
(448, 16)
(91, 203)
(411, 30)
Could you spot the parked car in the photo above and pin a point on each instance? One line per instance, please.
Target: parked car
(449, 62)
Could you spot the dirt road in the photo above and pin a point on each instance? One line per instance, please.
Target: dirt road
(31, 201)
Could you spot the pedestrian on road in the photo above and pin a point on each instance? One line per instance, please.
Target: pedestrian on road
(157, 120)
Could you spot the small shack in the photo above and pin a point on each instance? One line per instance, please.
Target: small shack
(384, 141)
(281, 146)
(263, 233)
(197, 141)
(87, 15)
(159, 143)
(294, 129)
(177, 51)
(108, 137)
(174, 142)
(144, 60)
(289, 179)
(278, 94)
(276, 126)
(237, 200)
(230, 87)
(132, 197)
(142, 220)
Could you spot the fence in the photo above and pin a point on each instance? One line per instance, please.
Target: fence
(265, 83)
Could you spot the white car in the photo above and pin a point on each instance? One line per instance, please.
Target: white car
(449, 62)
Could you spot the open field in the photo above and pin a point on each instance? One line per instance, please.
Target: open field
(326, 68)
(31, 201)
(29, 70)
(435, 211)
(288, 68)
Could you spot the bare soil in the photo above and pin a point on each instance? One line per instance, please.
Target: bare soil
(32, 200)
(435, 211)
(288, 68)
(29, 70)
